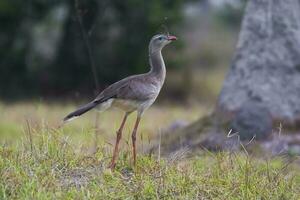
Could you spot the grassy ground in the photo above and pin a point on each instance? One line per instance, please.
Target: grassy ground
(14, 119)
(40, 161)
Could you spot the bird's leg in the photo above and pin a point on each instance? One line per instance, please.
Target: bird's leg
(133, 137)
(116, 149)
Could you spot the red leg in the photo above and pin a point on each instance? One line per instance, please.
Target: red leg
(116, 149)
(133, 137)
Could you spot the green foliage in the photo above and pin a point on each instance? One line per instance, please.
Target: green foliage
(230, 16)
(42, 50)
(47, 166)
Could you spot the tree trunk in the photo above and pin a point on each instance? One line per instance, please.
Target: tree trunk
(263, 84)
(262, 87)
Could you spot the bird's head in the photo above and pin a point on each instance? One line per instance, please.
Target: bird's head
(160, 41)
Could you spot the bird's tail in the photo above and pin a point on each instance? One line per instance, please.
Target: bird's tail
(80, 111)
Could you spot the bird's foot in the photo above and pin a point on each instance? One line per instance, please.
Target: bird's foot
(112, 165)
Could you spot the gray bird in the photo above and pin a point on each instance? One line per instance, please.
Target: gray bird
(134, 93)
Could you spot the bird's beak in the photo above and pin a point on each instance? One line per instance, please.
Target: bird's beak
(172, 38)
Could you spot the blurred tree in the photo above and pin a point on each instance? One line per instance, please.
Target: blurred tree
(42, 50)
(230, 14)
(262, 87)
(263, 83)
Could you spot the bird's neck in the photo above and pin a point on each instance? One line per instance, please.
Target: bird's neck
(157, 64)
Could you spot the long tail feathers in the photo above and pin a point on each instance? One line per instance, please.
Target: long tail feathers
(80, 111)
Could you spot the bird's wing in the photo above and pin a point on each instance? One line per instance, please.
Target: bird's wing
(138, 90)
(111, 91)
(131, 88)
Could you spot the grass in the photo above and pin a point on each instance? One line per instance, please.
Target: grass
(48, 167)
(40, 114)
(51, 163)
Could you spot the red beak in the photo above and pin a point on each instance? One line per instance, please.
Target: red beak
(172, 38)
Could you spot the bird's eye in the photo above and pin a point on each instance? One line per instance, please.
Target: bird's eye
(160, 38)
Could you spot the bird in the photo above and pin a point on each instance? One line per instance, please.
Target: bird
(134, 93)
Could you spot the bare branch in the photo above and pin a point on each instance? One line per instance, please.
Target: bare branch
(85, 36)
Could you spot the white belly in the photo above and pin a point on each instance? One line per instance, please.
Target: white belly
(130, 105)
(126, 105)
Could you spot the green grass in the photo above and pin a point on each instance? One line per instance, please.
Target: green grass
(46, 166)
(14, 120)
(40, 161)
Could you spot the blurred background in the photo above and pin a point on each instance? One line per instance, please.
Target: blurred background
(44, 54)
(48, 50)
